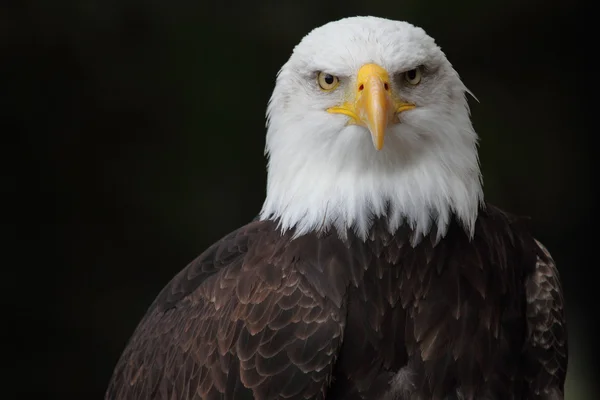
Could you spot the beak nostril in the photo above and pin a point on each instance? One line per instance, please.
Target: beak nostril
(361, 87)
(386, 86)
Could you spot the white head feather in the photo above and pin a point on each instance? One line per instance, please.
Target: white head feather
(324, 173)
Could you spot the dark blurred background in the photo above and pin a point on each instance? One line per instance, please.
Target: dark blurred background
(143, 129)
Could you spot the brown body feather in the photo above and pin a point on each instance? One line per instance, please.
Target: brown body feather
(261, 316)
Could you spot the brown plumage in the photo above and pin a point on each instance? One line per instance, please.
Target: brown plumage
(260, 315)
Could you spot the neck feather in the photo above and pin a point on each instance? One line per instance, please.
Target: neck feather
(339, 181)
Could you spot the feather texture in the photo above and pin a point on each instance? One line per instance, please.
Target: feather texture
(261, 315)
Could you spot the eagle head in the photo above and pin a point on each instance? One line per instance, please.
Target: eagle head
(368, 119)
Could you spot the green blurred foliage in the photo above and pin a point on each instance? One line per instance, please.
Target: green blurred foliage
(143, 124)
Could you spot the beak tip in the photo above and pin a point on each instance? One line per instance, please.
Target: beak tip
(377, 142)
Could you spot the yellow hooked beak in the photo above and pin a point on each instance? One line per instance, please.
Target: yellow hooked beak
(373, 105)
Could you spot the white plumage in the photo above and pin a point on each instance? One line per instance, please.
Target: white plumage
(324, 173)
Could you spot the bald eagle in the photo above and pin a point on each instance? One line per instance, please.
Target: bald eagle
(375, 269)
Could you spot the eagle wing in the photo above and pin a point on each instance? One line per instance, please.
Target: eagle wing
(547, 336)
(240, 322)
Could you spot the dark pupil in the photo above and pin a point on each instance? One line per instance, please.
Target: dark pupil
(328, 79)
(412, 74)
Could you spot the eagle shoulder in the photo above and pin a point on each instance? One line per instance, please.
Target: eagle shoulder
(242, 321)
(547, 353)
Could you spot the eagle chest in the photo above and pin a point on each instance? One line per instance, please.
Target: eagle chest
(439, 309)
